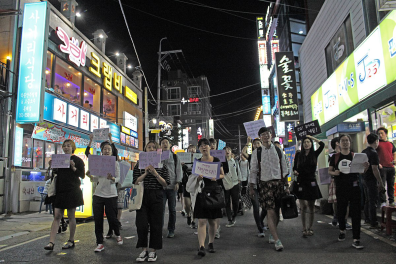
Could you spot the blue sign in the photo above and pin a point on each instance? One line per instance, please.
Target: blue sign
(33, 56)
(221, 145)
(266, 105)
(346, 128)
(290, 154)
(18, 146)
(134, 134)
(115, 132)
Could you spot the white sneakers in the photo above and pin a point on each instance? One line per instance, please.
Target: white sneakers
(119, 240)
(99, 248)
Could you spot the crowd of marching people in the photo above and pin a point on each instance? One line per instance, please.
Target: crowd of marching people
(256, 178)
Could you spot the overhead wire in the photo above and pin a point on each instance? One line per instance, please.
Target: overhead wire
(134, 47)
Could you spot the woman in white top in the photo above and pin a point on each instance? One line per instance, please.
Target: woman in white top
(105, 200)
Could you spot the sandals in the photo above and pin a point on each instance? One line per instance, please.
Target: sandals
(68, 244)
(49, 246)
(305, 233)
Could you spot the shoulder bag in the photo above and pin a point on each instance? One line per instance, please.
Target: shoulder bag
(212, 197)
(136, 197)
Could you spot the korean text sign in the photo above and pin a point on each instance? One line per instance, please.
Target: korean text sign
(208, 170)
(287, 89)
(101, 165)
(32, 63)
(220, 154)
(253, 127)
(60, 161)
(310, 128)
(149, 158)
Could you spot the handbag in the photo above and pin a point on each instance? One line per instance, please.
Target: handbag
(128, 182)
(294, 187)
(136, 197)
(52, 188)
(289, 207)
(212, 197)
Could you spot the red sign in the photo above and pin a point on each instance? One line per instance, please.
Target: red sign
(193, 100)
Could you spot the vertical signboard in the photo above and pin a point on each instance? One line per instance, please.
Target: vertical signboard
(287, 90)
(265, 95)
(211, 128)
(260, 27)
(31, 75)
(18, 144)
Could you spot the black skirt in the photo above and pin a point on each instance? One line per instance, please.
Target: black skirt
(68, 200)
(308, 190)
(202, 213)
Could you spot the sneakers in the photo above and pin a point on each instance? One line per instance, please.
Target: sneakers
(334, 221)
(261, 234)
(152, 256)
(193, 226)
(356, 244)
(230, 223)
(109, 235)
(171, 234)
(341, 237)
(211, 248)
(183, 213)
(281, 217)
(99, 248)
(271, 239)
(188, 220)
(119, 240)
(201, 252)
(278, 245)
(142, 257)
(348, 226)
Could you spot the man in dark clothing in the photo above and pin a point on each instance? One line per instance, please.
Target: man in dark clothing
(387, 156)
(372, 180)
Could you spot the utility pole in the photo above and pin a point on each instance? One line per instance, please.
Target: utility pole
(166, 53)
(146, 123)
(239, 137)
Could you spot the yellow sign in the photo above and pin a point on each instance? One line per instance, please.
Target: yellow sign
(117, 82)
(95, 61)
(125, 130)
(131, 95)
(259, 110)
(155, 131)
(107, 72)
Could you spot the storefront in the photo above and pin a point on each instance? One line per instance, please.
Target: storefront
(80, 90)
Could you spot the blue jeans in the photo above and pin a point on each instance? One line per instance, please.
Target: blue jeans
(370, 206)
(388, 177)
(170, 195)
(256, 211)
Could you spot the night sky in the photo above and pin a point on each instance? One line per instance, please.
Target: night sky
(228, 56)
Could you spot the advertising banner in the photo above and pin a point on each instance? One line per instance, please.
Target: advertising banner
(287, 89)
(290, 154)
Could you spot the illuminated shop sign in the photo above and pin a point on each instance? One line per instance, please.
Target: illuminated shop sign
(130, 121)
(274, 49)
(262, 48)
(368, 69)
(265, 95)
(260, 27)
(31, 75)
(77, 52)
(131, 95)
(190, 100)
(18, 146)
(110, 80)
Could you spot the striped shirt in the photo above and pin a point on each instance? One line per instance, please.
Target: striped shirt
(150, 181)
(270, 169)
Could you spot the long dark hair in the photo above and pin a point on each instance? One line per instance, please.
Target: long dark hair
(311, 157)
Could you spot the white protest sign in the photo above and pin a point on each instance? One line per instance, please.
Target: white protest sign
(124, 168)
(101, 165)
(220, 154)
(208, 170)
(165, 155)
(184, 157)
(196, 156)
(101, 133)
(253, 127)
(149, 158)
(60, 161)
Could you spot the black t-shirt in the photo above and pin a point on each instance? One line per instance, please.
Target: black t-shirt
(345, 179)
(373, 159)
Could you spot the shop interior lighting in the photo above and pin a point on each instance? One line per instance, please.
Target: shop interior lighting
(129, 66)
(87, 79)
(67, 84)
(47, 72)
(8, 57)
(85, 93)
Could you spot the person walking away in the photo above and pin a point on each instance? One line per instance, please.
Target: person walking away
(186, 194)
(105, 198)
(335, 145)
(347, 190)
(68, 194)
(308, 189)
(267, 175)
(372, 181)
(387, 157)
(175, 174)
(231, 183)
(205, 215)
(151, 212)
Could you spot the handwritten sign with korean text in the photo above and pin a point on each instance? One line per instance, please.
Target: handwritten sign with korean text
(101, 133)
(60, 161)
(149, 158)
(310, 128)
(184, 157)
(101, 165)
(220, 154)
(253, 127)
(208, 170)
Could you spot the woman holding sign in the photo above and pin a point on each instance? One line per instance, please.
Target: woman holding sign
(151, 211)
(203, 214)
(105, 198)
(307, 188)
(68, 194)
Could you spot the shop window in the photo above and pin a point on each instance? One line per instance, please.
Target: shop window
(27, 151)
(48, 69)
(109, 105)
(193, 91)
(38, 154)
(49, 150)
(59, 149)
(173, 109)
(67, 81)
(91, 95)
(174, 93)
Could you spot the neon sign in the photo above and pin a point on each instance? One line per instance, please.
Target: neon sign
(77, 53)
